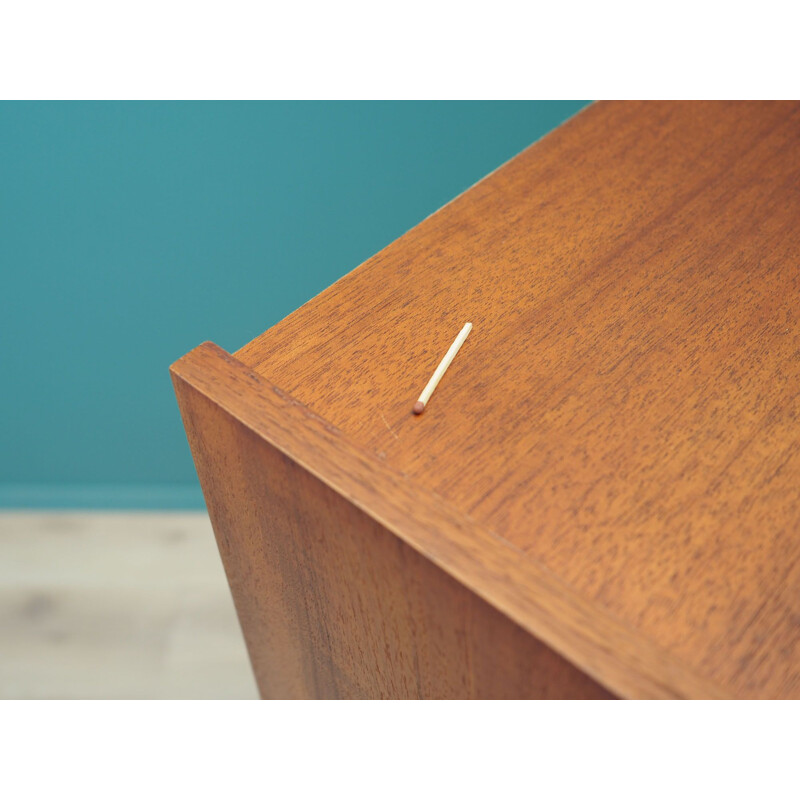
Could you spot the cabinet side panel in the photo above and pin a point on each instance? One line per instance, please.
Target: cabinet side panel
(333, 605)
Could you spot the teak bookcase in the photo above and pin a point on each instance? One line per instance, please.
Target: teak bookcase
(602, 497)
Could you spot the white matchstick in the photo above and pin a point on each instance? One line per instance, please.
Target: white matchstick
(419, 406)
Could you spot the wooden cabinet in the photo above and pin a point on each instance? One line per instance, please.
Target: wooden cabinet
(602, 497)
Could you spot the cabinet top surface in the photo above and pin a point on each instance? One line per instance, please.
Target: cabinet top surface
(626, 410)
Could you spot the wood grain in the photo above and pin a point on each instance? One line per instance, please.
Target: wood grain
(332, 603)
(624, 415)
(214, 390)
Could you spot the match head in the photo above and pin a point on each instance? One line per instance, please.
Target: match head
(419, 407)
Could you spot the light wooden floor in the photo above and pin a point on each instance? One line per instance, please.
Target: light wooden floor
(105, 605)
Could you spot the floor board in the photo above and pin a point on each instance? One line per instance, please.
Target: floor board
(116, 605)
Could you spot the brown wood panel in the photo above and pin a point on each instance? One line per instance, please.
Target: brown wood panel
(625, 411)
(237, 489)
(333, 605)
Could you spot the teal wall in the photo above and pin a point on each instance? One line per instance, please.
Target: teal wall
(131, 232)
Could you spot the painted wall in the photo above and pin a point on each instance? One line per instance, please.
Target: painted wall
(131, 232)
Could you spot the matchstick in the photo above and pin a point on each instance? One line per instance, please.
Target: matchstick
(419, 406)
